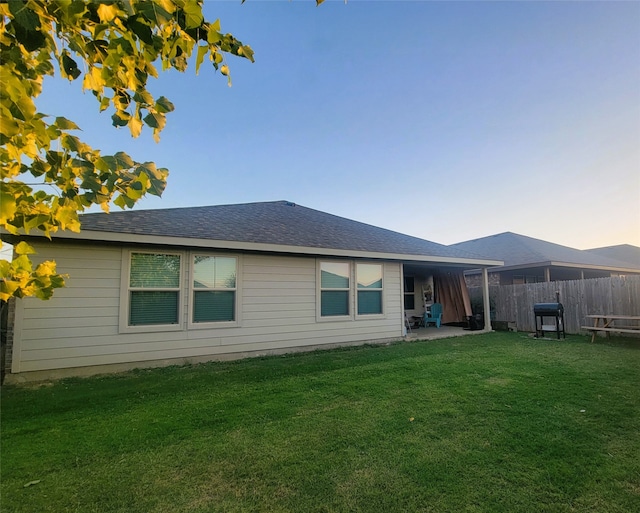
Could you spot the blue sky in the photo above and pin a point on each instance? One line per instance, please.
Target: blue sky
(443, 120)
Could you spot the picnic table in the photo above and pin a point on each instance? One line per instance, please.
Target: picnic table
(607, 323)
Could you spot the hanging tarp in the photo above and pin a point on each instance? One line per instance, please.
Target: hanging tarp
(451, 291)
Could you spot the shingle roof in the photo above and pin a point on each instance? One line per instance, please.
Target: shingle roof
(518, 250)
(625, 253)
(274, 223)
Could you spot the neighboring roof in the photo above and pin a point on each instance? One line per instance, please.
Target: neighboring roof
(269, 226)
(625, 253)
(518, 251)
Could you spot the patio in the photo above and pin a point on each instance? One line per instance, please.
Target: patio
(433, 333)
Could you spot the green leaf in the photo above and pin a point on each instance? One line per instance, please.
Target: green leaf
(156, 11)
(72, 143)
(202, 51)
(123, 160)
(97, 49)
(247, 52)
(8, 288)
(32, 40)
(120, 118)
(143, 96)
(141, 29)
(38, 167)
(104, 103)
(67, 218)
(114, 45)
(22, 248)
(106, 164)
(107, 12)
(93, 80)
(180, 63)
(24, 109)
(193, 14)
(57, 281)
(23, 16)
(8, 126)
(69, 66)
(135, 126)
(8, 207)
(123, 202)
(163, 105)
(155, 120)
(65, 124)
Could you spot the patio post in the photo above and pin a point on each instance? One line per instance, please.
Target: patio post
(485, 299)
(404, 324)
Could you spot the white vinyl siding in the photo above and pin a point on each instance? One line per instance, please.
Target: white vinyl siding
(276, 299)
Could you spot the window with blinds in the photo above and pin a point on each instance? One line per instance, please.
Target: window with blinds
(369, 296)
(335, 289)
(214, 288)
(154, 289)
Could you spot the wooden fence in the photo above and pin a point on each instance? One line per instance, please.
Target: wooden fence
(618, 295)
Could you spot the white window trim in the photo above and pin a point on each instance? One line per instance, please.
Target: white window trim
(353, 292)
(185, 294)
(214, 325)
(333, 318)
(124, 326)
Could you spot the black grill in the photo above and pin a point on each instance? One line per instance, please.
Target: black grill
(549, 310)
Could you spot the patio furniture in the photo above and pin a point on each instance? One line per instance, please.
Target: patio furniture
(407, 324)
(434, 315)
(607, 324)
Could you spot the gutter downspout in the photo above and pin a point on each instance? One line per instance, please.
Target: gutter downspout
(485, 299)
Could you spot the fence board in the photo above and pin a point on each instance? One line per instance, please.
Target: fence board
(617, 295)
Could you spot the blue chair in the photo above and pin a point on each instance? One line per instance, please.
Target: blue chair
(435, 316)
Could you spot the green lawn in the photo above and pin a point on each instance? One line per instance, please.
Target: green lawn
(485, 423)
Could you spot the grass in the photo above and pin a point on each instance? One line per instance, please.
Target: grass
(487, 423)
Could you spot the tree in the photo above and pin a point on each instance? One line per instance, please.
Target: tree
(49, 175)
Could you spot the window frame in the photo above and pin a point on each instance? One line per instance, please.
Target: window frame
(185, 293)
(408, 294)
(320, 290)
(352, 292)
(191, 324)
(364, 289)
(126, 289)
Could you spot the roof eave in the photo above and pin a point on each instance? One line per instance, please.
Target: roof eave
(592, 267)
(128, 238)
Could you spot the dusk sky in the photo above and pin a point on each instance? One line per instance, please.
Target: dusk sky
(444, 120)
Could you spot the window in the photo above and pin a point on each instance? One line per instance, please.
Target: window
(409, 293)
(369, 279)
(339, 298)
(154, 289)
(335, 279)
(214, 289)
(178, 291)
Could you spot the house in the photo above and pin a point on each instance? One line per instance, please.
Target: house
(529, 260)
(157, 287)
(625, 253)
